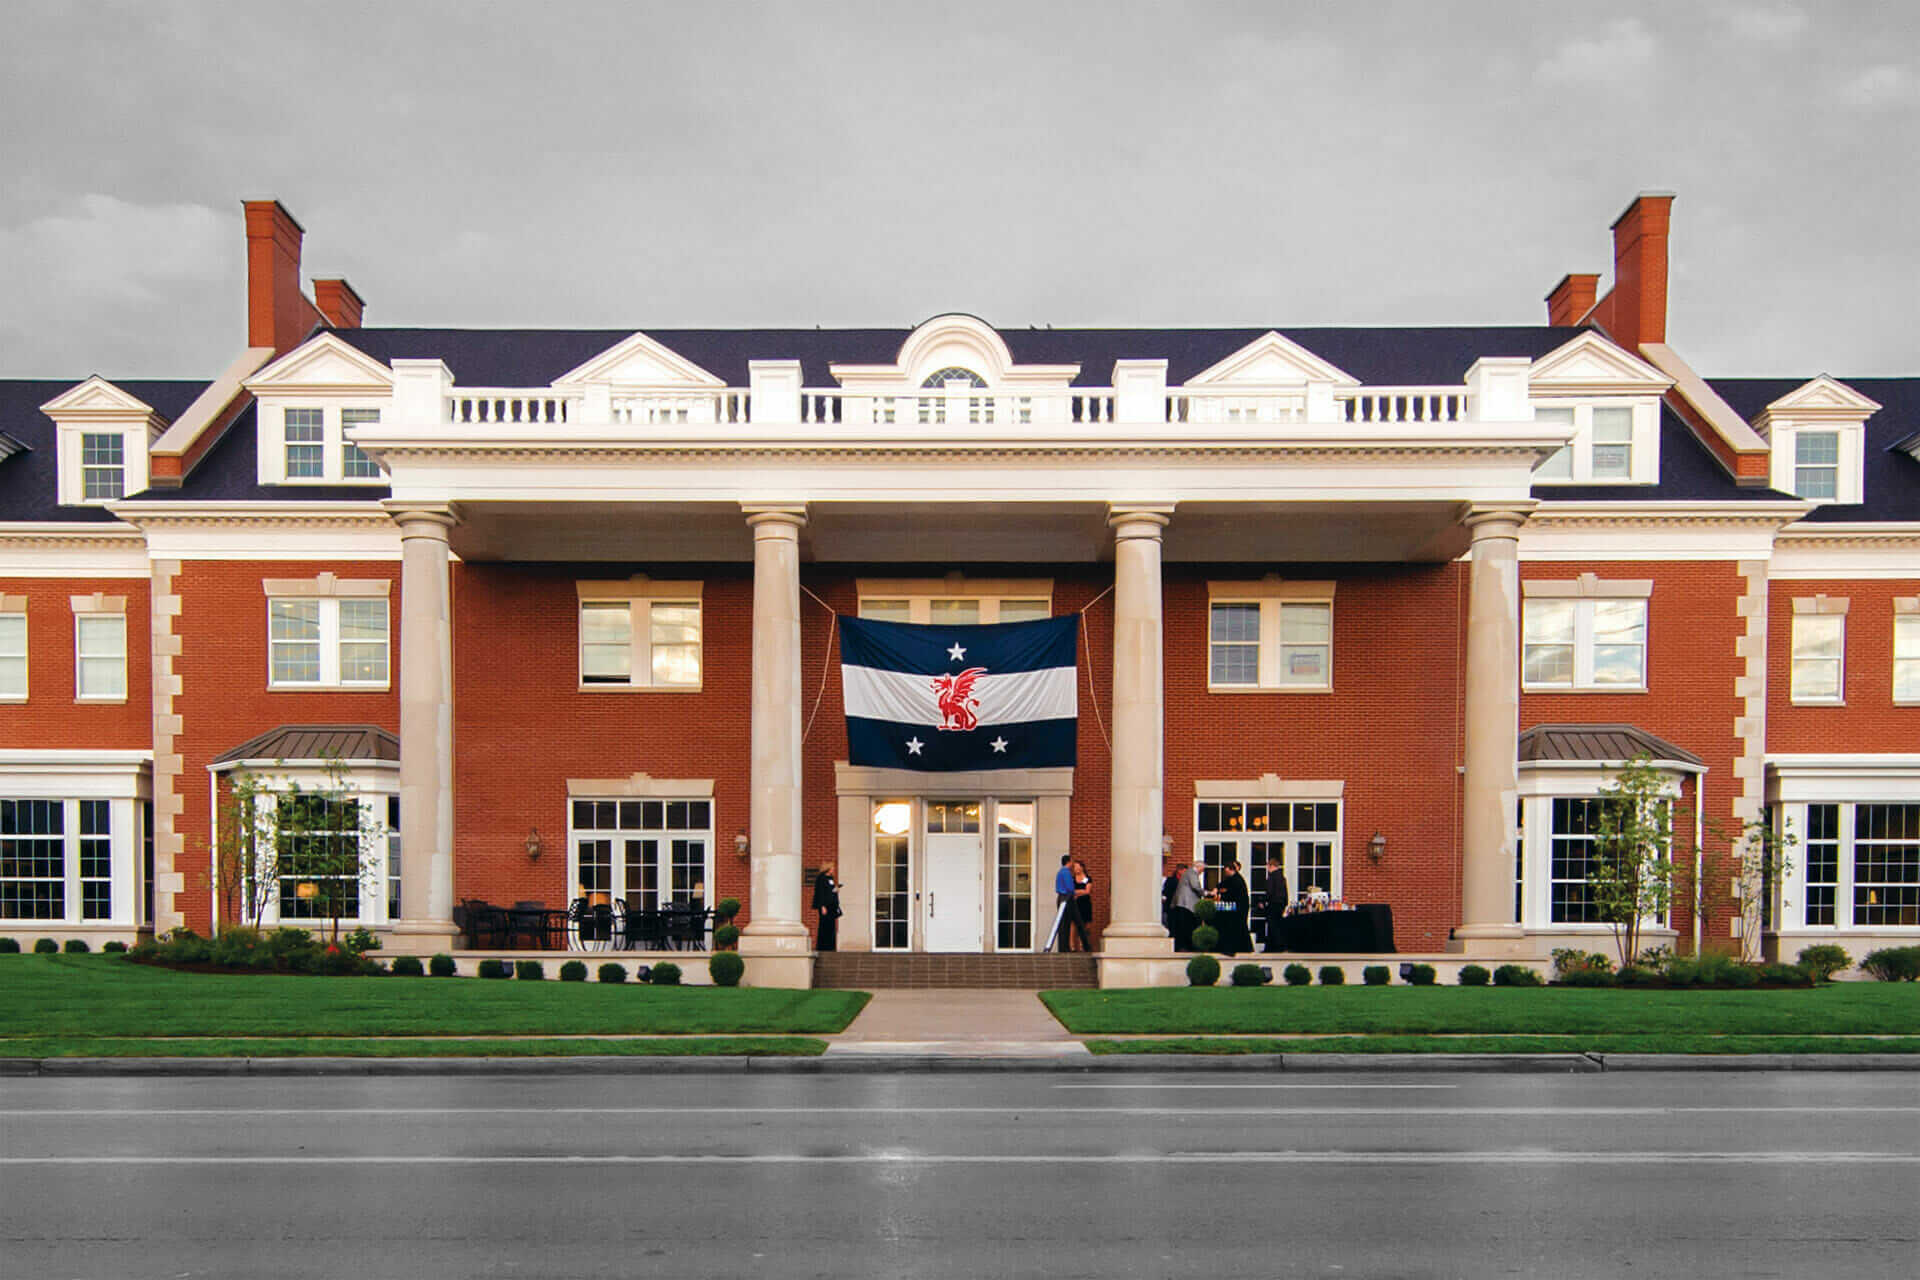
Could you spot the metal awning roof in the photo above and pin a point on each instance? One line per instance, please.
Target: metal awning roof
(1598, 744)
(307, 743)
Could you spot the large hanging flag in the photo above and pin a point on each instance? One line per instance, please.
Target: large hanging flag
(941, 699)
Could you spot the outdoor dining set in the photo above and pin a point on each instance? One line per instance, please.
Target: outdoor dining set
(582, 926)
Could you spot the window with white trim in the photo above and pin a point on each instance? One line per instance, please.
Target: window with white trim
(1587, 643)
(355, 465)
(100, 657)
(1816, 465)
(13, 656)
(1906, 657)
(305, 436)
(1819, 657)
(646, 853)
(1305, 833)
(56, 860)
(103, 466)
(640, 643)
(1862, 865)
(1269, 642)
(327, 641)
(1613, 443)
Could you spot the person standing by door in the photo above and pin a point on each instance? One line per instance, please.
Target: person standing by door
(1063, 905)
(1278, 900)
(826, 910)
(1186, 896)
(1082, 903)
(1234, 903)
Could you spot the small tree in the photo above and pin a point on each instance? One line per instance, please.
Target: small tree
(314, 846)
(242, 845)
(1631, 878)
(1752, 857)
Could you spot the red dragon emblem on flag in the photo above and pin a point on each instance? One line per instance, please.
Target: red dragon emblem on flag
(954, 694)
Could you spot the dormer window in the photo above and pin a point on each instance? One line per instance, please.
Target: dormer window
(355, 465)
(1816, 464)
(306, 444)
(932, 409)
(103, 466)
(104, 432)
(1612, 443)
(1817, 435)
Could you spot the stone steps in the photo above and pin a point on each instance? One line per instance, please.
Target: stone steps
(869, 971)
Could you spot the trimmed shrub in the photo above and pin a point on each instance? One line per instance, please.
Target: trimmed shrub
(45, 947)
(1206, 938)
(1473, 975)
(1585, 978)
(1297, 975)
(665, 974)
(9, 946)
(337, 961)
(407, 967)
(726, 909)
(1206, 909)
(1637, 975)
(1517, 975)
(573, 971)
(1575, 967)
(611, 972)
(1707, 969)
(1203, 971)
(1784, 975)
(1376, 975)
(725, 968)
(1825, 960)
(144, 950)
(494, 969)
(239, 947)
(113, 948)
(1893, 964)
(442, 966)
(1249, 975)
(1332, 975)
(529, 970)
(1421, 975)
(76, 947)
(726, 937)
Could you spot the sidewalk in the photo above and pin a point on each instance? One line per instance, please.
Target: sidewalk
(957, 1023)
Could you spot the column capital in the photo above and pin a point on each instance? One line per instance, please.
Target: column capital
(1138, 519)
(1497, 519)
(422, 519)
(762, 514)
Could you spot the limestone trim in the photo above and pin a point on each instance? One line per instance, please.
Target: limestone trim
(326, 585)
(98, 602)
(640, 786)
(1269, 786)
(1274, 587)
(169, 844)
(865, 780)
(1750, 688)
(1589, 586)
(1902, 604)
(1821, 604)
(955, 585)
(637, 587)
(13, 604)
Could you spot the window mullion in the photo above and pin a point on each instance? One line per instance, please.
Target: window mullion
(1843, 890)
(640, 627)
(330, 641)
(1269, 655)
(1583, 644)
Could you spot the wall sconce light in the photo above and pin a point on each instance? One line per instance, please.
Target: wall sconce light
(1377, 847)
(533, 844)
(741, 844)
(1166, 845)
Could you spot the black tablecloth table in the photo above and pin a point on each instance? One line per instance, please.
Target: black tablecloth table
(1365, 930)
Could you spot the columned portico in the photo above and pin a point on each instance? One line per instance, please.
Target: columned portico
(426, 723)
(1492, 711)
(775, 940)
(1139, 729)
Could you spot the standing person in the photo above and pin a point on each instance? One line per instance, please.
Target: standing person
(826, 909)
(1082, 903)
(1186, 896)
(1232, 919)
(1063, 889)
(1169, 887)
(1277, 903)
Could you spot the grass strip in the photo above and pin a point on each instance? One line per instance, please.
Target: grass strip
(99, 995)
(1691, 1044)
(216, 1047)
(1853, 1008)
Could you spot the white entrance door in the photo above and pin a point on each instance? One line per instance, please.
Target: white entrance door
(956, 877)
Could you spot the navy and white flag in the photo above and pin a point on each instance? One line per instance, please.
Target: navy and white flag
(944, 698)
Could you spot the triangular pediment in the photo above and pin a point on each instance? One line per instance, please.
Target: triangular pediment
(640, 361)
(326, 363)
(1591, 364)
(96, 397)
(1824, 393)
(1273, 359)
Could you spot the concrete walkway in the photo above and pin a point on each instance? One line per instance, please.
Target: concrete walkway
(945, 1022)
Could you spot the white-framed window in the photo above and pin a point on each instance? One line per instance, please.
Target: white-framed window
(1816, 465)
(327, 641)
(355, 465)
(640, 643)
(1305, 833)
(1862, 865)
(322, 862)
(938, 409)
(1561, 812)
(892, 875)
(56, 860)
(1013, 826)
(1906, 655)
(103, 466)
(1819, 657)
(1614, 442)
(646, 853)
(306, 443)
(966, 604)
(13, 650)
(1270, 636)
(1571, 640)
(100, 657)
(305, 439)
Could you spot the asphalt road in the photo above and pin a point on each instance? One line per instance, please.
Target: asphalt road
(1043, 1173)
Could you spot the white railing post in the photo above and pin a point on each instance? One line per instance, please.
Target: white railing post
(1497, 389)
(1320, 402)
(775, 387)
(1140, 390)
(420, 390)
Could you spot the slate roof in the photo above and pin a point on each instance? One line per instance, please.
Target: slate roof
(300, 742)
(230, 473)
(1892, 480)
(1570, 743)
(1688, 473)
(29, 479)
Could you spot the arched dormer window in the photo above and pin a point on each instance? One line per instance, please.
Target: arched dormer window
(953, 379)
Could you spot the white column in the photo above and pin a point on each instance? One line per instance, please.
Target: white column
(774, 813)
(1492, 782)
(1139, 733)
(426, 722)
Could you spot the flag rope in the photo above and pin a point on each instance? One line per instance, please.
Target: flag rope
(1093, 689)
(826, 665)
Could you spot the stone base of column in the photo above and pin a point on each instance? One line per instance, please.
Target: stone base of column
(792, 972)
(421, 937)
(1166, 970)
(1492, 940)
(1142, 940)
(775, 940)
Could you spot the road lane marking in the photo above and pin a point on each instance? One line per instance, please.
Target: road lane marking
(1525, 1157)
(1033, 1109)
(1193, 1082)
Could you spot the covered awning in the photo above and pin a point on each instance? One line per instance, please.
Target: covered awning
(315, 744)
(1601, 746)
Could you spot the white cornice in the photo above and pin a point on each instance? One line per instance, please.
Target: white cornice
(1878, 532)
(53, 532)
(1614, 514)
(152, 514)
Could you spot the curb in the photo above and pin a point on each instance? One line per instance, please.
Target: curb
(1296, 1063)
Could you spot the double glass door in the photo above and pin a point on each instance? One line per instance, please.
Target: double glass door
(940, 886)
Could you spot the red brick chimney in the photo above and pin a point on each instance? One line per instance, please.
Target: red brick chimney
(278, 314)
(1572, 298)
(1639, 298)
(338, 303)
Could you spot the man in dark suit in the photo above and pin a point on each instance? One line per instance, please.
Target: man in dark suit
(1277, 903)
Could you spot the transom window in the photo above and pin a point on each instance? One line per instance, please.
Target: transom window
(646, 853)
(1584, 643)
(640, 643)
(100, 661)
(13, 657)
(355, 465)
(328, 641)
(305, 443)
(1306, 835)
(1819, 654)
(1863, 865)
(1270, 644)
(103, 466)
(939, 408)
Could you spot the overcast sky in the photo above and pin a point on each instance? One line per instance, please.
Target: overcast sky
(714, 164)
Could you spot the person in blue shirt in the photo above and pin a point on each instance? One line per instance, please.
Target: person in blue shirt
(1064, 888)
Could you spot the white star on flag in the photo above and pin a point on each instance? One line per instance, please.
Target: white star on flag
(958, 652)
(1000, 745)
(914, 745)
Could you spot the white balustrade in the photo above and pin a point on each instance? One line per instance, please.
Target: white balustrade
(1242, 404)
(1402, 404)
(661, 408)
(504, 405)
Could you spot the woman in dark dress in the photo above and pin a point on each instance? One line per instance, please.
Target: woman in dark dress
(826, 909)
(1082, 903)
(1232, 922)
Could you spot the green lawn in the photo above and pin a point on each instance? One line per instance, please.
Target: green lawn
(312, 1047)
(1675, 1043)
(1853, 1008)
(93, 996)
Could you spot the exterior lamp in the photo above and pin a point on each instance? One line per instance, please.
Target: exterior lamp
(1166, 845)
(532, 844)
(1377, 847)
(742, 845)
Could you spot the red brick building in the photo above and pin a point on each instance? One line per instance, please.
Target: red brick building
(555, 612)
